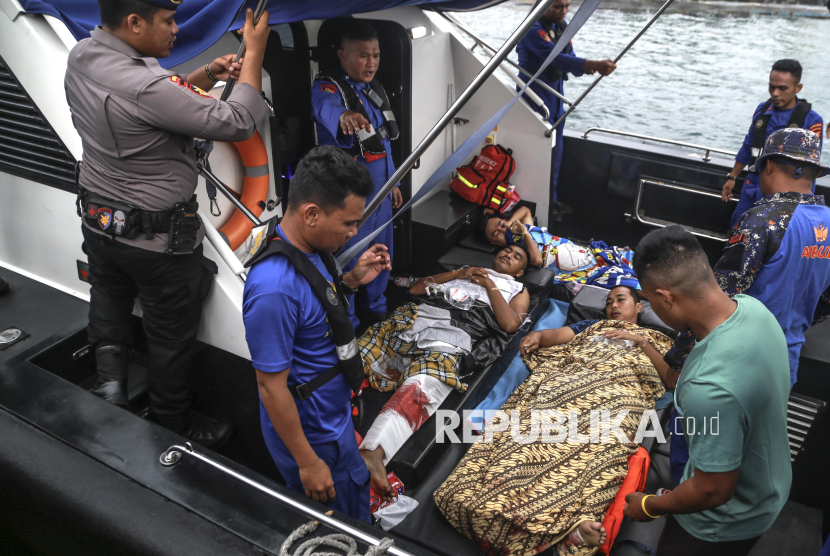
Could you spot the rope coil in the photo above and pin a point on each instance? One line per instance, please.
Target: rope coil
(346, 545)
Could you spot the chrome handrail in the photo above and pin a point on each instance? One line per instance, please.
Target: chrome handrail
(662, 223)
(223, 248)
(706, 157)
(537, 100)
(173, 455)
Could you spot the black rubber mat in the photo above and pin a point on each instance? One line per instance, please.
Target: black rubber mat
(36, 309)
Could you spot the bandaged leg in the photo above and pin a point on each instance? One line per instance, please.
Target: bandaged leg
(413, 403)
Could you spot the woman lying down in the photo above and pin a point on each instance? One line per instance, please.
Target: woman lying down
(515, 495)
(416, 352)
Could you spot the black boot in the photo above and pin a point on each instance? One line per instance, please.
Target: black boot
(112, 374)
(196, 426)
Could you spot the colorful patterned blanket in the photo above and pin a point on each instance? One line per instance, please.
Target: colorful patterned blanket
(516, 498)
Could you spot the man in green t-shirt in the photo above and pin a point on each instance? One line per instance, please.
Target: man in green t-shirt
(732, 397)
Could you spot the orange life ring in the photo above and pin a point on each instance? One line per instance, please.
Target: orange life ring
(254, 189)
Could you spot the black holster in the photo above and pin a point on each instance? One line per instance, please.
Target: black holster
(184, 227)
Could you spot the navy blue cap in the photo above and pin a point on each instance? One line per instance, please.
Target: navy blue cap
(799, 146)
(163, 4)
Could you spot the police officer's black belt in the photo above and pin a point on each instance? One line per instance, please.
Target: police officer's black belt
(333, 298)
(117, 218)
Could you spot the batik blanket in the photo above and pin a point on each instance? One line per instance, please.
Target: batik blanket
(516, 498)
(384, 340)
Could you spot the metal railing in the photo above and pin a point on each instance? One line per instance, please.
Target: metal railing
(223, 248)
(706, 157)
(174, 454)
(657, 223)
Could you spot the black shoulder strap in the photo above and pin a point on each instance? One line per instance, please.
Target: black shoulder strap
(369, 142)
(333, 299)
(377, 94)
(799, 115)
(330, 294)
(759, 133)
(562, 26)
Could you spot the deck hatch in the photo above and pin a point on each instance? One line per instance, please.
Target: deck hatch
(29, 147)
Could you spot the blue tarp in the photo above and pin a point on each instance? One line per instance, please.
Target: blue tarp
(554, 317)
(202, 22)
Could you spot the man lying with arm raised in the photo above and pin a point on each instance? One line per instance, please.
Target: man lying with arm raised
(429, 338)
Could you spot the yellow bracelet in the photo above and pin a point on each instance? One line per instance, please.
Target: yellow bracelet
(643, 505)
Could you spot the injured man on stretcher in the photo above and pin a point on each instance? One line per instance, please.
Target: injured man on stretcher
(518, 493)
(418, 350)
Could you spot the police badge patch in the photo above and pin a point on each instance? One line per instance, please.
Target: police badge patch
(104, 218)
(544, 35)
(182, 83)
(120, 219)
(332, 297)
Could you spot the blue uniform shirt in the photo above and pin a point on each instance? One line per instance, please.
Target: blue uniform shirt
(780, 255)
(778, 120)
(533, 50)
(286, 328)
(327, 106)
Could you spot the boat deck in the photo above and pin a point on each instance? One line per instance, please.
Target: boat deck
(36, 309)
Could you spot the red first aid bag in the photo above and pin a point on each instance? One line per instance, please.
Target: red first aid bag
(485, 180)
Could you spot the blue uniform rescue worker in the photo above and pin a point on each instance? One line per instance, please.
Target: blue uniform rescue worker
(783, 109)
(779, 253)
(352, 112)
(533, 49)
(302, 341)
(142, 233)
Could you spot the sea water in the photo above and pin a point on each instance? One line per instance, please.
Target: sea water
(691, 78)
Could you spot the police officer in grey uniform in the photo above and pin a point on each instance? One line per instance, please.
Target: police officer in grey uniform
(137, 178)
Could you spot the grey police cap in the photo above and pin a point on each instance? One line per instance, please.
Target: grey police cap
(163, 4)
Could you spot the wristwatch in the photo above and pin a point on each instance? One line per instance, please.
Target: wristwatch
(346, 289)
(729, 176)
